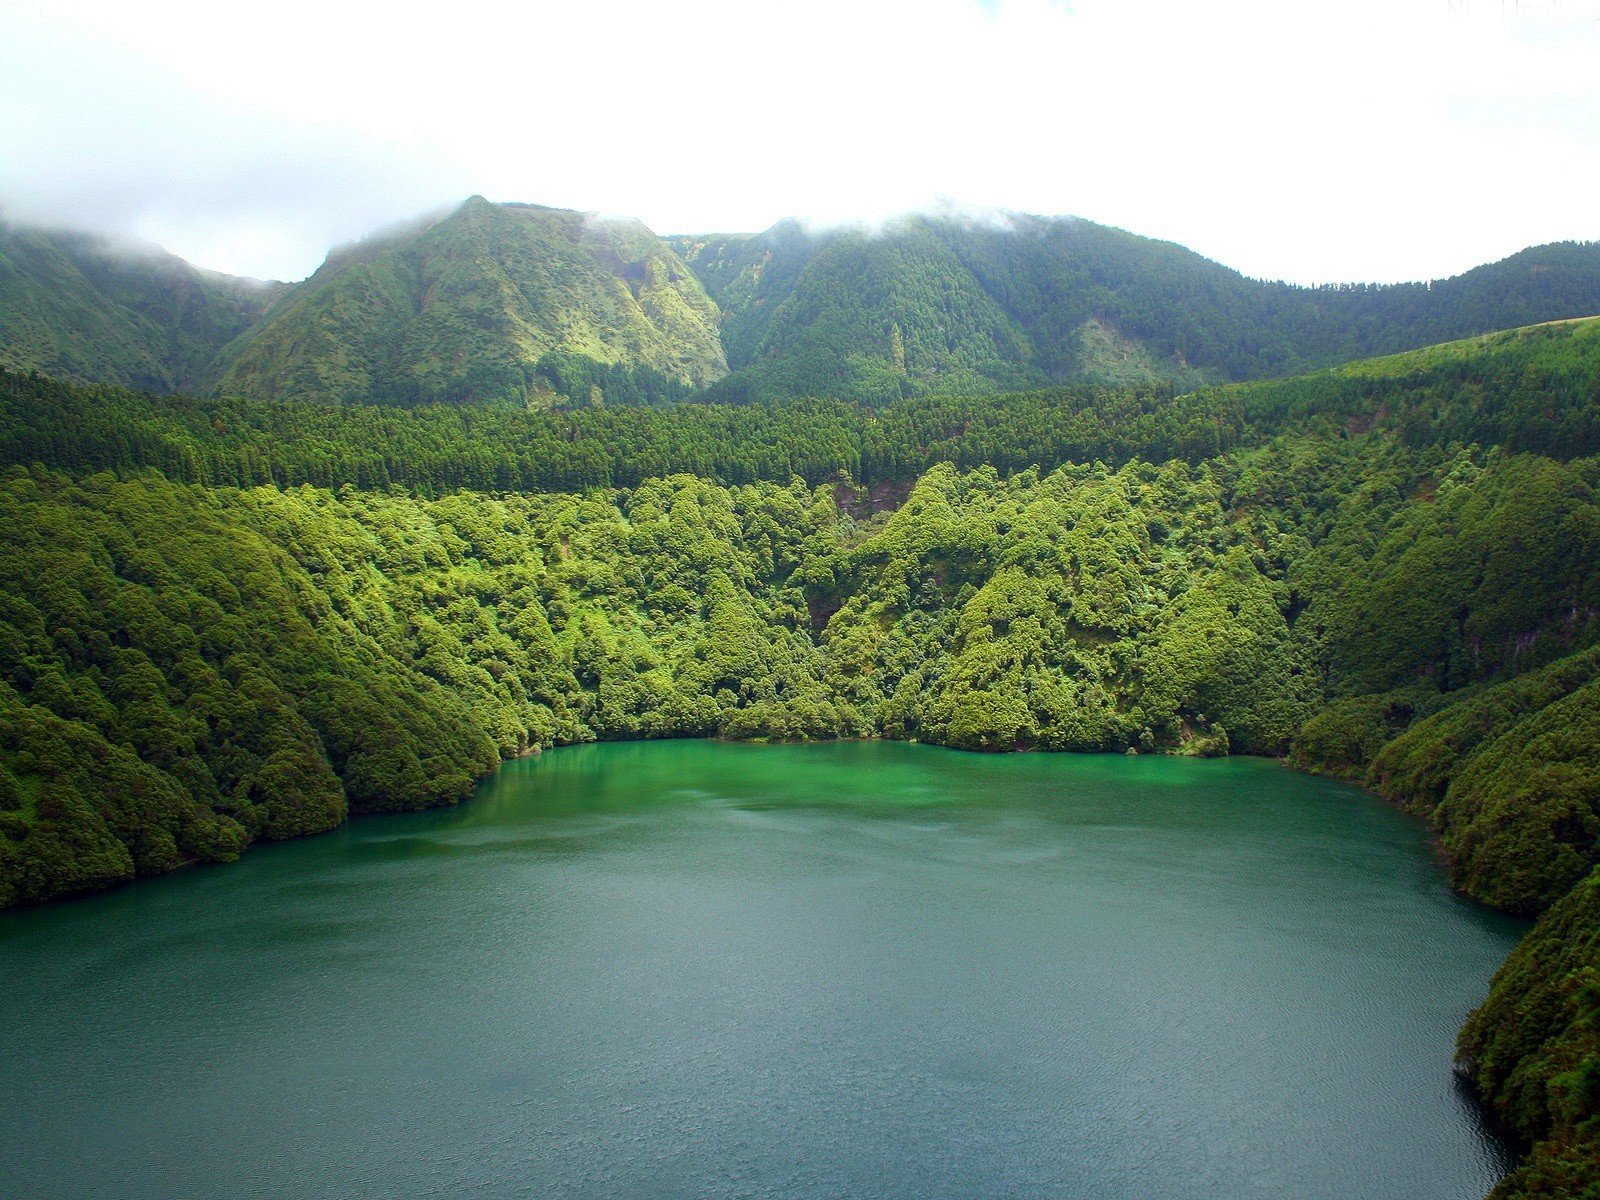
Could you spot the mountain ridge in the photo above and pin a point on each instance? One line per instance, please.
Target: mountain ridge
(526, 305)
(95, 310)
(1053, 287)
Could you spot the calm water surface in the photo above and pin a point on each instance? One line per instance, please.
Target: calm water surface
(690, 969)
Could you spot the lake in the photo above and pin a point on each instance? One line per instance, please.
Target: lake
(697, 969)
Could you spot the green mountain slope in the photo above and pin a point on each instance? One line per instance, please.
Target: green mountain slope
(523, 305)
(82, 308)
(944, 304)
(491, 303)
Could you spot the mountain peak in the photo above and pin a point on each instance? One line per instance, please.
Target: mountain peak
(499, 303)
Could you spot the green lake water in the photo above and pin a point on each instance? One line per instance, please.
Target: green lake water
(694, 969)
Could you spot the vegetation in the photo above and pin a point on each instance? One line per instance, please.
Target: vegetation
(254, 663)
(231, 620)
(1533, 1049)
(84, 309)
(1531, 390)
(521, 306)
(463, 309)
(948, 304)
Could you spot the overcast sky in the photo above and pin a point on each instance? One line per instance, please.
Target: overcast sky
(1347, 140)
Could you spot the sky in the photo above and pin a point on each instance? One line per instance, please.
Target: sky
(1373, 140)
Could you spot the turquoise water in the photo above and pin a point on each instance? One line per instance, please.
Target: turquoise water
(693, 969)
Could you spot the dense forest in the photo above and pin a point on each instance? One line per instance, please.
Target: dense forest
(1525, 390)
(228, 620)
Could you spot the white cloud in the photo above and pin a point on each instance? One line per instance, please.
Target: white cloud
(1359, 140)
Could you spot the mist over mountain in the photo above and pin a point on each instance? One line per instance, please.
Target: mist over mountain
(525, 305)
(958, 305)
(469, 307)
(88, 309)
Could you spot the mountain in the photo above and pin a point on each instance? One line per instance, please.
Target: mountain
(521, 305)
(85, 308)
(950, 304)
(491, 303)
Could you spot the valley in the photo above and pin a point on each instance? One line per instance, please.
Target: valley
(515, 479)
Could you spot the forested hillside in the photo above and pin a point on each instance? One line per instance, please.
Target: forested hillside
(82, 308)
(484, 306)
(952, 305)
(232, 620)
(1524, 390)
(521, 306)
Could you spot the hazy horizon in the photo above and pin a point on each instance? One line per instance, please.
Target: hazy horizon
(1368, 142)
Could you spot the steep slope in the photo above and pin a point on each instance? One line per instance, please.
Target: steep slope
(492, 303)
(954, 305)
(80, 307)
(522, 304)
(866, 316)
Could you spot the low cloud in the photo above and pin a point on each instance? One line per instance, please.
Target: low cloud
(1367, 140)
(136, 155)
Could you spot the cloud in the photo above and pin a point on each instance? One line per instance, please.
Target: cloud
(93, 138)
(1359, 140)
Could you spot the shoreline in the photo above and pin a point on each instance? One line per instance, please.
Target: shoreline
(531, 752)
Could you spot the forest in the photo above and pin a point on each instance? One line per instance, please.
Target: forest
(227, 621)
(1528, 390)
